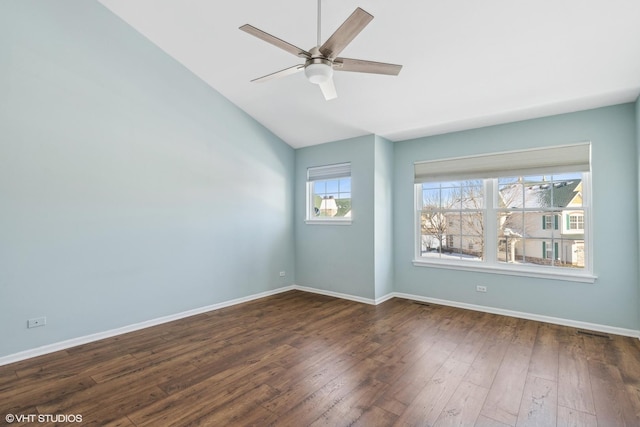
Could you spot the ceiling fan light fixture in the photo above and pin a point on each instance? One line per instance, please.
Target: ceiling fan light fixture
(318, 72)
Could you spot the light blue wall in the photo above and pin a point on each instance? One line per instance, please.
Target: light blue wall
(338, 258)
(613, 299)
(383, 216)
(129, 189)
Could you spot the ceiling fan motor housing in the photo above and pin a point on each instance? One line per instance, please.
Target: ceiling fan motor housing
(318, 70)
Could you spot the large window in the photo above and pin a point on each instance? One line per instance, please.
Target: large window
(515, 213)
(329, 194)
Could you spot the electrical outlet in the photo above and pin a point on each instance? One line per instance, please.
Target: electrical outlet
(38, 321)
(282, 274)
(480, 288)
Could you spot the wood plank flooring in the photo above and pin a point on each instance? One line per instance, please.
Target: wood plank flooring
(300, 359)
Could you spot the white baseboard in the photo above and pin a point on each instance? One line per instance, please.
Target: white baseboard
(63, 345)
(384, 298)
(349, 297)
(503, 312)
(522, 315)
(336, 295)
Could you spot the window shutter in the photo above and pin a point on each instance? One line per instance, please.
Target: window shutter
(568, 222)
(544, 250)
(319, 173)
(555, 222)
(538, 161)
(544, 222)
(556, 251)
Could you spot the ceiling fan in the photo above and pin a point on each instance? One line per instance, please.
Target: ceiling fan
(321, 60)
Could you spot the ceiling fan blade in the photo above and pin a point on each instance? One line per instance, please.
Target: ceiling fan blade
(328, 90)
(362, 66)
(295, 50)
(345, 33)
(281, 73)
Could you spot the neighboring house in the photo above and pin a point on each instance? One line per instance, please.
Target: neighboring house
(332, 207)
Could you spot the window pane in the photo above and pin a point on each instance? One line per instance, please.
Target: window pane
(536, 238)
(452, 220)
(536, 192)
(472, 195)
(450, 198)
(332, 198)
(510, 193)
(432, 244)
(471, 246)
(332, 186)
(431, 198)
(565, 191)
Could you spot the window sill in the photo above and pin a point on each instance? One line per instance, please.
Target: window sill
(540, 273)
(328, 221)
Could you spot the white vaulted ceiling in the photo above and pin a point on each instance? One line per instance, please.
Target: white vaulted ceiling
(467, 63)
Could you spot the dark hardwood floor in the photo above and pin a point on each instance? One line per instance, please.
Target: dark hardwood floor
(298, 359)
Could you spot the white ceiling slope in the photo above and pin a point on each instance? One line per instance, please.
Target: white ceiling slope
(467, 63)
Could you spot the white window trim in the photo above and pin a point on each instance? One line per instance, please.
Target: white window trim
(328, 221)
(535, 272)
(490, 264)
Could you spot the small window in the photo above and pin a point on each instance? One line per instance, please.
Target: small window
(576, 222)
(329, 194)
(550, 222)
(550, 250)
